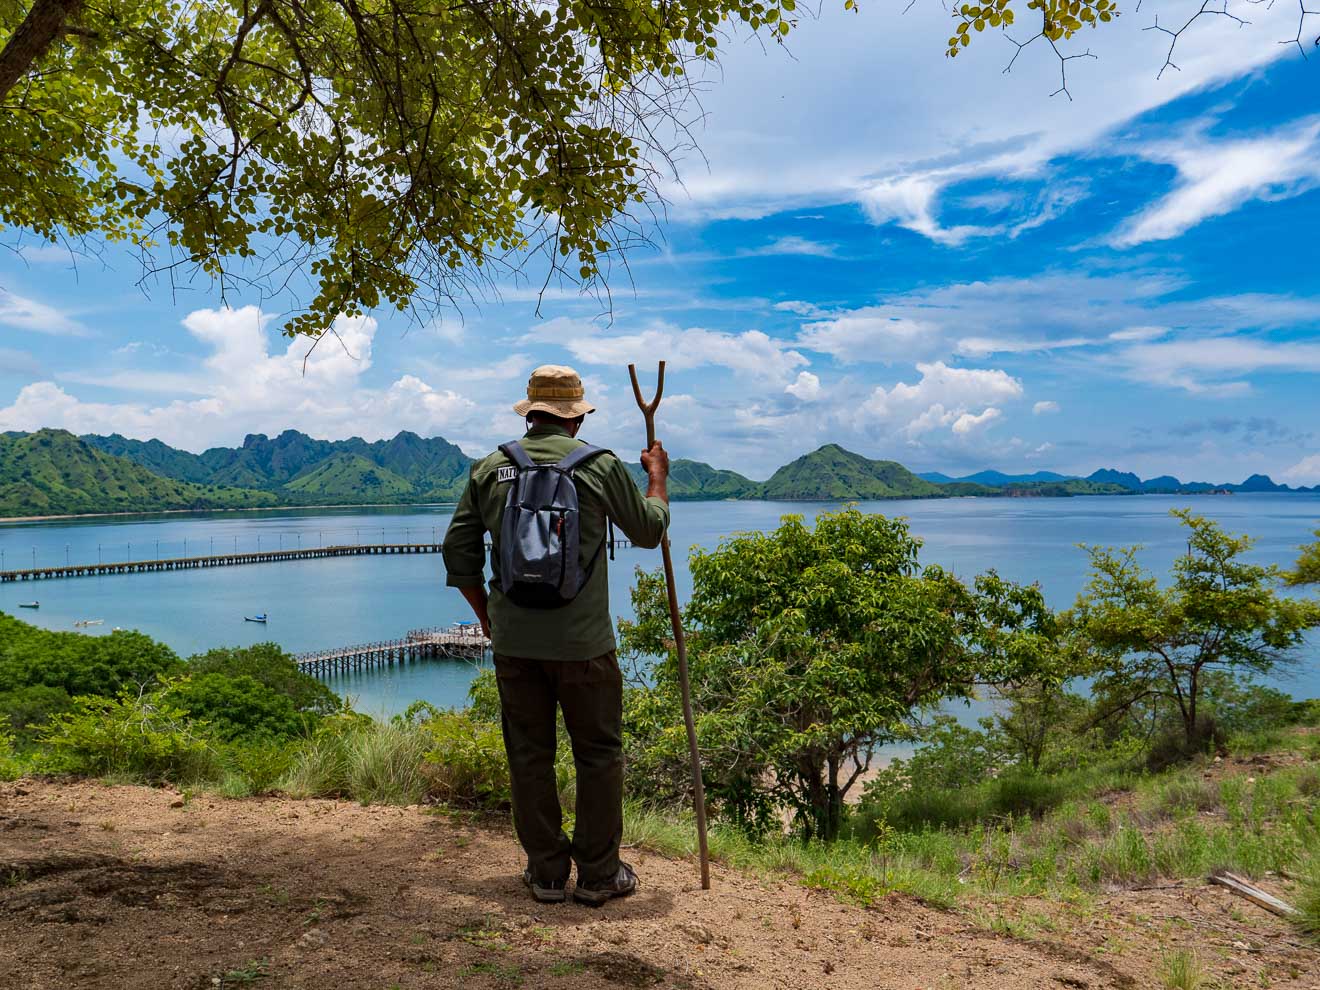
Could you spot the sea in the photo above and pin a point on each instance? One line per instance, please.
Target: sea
(323, 603)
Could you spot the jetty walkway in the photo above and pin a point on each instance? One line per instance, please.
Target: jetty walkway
(221, 560)
(459, 642)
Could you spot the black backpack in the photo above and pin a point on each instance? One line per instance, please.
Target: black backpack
(539, 560)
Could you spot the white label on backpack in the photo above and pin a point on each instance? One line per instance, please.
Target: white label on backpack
(505, 474)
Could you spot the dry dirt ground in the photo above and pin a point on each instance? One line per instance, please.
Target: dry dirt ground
(130, 887)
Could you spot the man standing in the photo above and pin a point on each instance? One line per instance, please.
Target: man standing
(558, 651)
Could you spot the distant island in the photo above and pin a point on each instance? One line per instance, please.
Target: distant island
(54, 472)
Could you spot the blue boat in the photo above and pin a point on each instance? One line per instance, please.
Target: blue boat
(29, 604)
(255, 618)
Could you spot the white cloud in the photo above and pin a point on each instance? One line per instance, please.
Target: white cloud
(242, 386)
(22, 313)
(1214, 366)
(943, 397)
(1109, 314)
(1044, 406)
(806, 388)
(909, 201)
(792, 245)
(985, 346)
(868, 334)
(751, 352)
(1304, 472)
(1139, 333)
(1216, 177)
(967, 423)
(900, 127)
(799, 307)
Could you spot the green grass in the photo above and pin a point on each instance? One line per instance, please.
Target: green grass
(1116, 828)
(375, 763)
(1182, 970)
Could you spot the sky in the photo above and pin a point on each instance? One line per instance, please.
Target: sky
(921, 259)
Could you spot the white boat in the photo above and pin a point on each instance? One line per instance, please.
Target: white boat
(29, 604)
(90, 622)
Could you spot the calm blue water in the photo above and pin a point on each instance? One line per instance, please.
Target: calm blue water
(323, 603)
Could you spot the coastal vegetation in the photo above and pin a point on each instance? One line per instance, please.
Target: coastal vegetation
(810, 647)
(52, 472)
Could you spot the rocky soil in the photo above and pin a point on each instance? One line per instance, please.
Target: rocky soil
(132, 887)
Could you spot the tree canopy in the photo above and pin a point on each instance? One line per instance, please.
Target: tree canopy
(1220, 613)
(389, 148)
(809, 647)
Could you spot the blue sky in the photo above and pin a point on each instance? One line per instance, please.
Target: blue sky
(920, 259)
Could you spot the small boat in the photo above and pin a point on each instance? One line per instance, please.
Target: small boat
(90, 622)
(29, 604)
(255, 618)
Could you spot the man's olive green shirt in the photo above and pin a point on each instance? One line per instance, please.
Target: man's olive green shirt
(583, 628)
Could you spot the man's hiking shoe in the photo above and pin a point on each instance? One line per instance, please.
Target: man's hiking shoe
(622, 884)
(546, 893)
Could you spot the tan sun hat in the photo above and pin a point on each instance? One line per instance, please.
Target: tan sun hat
(556, 390)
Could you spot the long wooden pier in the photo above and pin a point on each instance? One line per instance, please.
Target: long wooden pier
(221, 560)
(460, 642)
(213, 560)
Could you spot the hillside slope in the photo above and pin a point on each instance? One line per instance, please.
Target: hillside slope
(696, 480)
(433, 468)
(832, 473)
(133, 888)
(52, 472)
(349, 478)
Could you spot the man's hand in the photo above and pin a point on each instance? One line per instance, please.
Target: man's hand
(656, 463)
(476, 597)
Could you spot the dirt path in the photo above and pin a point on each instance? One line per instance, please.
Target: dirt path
(128, 887)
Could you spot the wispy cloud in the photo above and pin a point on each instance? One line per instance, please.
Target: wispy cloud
(22, 313)
(790, 245)
(1217, 177)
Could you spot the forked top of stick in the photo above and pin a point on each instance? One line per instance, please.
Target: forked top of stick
(642, 404)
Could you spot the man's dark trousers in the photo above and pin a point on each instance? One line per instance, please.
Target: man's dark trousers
(590, 692)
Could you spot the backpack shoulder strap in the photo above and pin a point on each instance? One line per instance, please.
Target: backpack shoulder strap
(513, 450)
(576, 458)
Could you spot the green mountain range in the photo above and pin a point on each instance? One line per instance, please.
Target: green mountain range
(301, 470)
(52, 472)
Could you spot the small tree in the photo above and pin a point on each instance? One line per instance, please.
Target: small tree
(1220, 613)
(810, 647)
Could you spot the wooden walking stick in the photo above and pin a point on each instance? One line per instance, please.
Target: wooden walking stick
(680, 645)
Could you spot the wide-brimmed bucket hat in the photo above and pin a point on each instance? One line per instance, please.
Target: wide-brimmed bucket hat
(556, 390)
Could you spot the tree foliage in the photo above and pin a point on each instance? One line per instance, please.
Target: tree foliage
(1155, 645)
(388, 149)
(811, 646)
(270, 666)
(1307, 570)
(41, 671)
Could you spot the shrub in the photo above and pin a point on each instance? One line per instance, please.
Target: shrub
(142, 736)
(81, 665)
(484, 697)
(269, 665)
(465, 763)
(1243, 706)
(10, 768)
(238, 707)
(260, 764)
(31, 706)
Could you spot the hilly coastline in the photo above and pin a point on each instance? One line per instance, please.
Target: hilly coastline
(53, 472)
